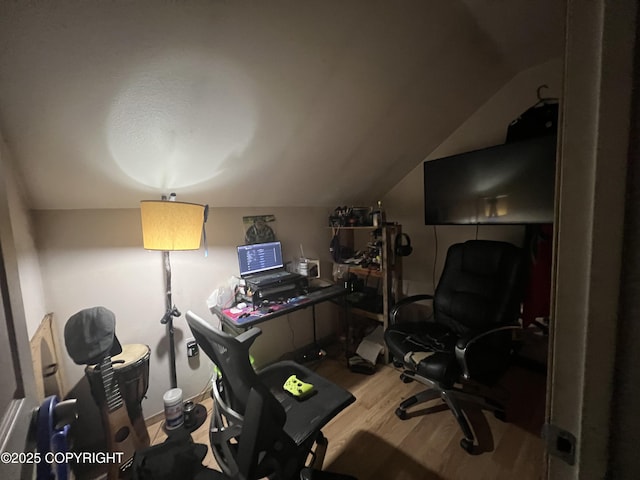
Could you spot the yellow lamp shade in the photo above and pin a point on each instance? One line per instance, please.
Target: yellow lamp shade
(170, 226)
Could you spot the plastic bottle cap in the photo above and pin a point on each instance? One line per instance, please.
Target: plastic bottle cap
(173, 396)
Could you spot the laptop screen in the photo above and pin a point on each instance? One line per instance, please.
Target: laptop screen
(259, 257)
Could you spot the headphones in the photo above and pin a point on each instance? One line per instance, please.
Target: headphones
(335, 248)
(339, 252)
(403, 249)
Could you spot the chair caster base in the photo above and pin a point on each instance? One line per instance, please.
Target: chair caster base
(401, 413)
(467, 445)
(405, 378)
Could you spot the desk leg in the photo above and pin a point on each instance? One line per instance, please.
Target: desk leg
(347, 316)
(313, 316)
(314, 352)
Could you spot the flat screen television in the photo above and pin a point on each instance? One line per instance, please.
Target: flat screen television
(512, 183)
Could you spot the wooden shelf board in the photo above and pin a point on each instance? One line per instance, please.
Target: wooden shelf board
(362, 271)
(365, 313)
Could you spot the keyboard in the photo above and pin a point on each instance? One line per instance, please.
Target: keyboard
(270, 277)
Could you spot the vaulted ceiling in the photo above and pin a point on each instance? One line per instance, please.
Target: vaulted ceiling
(243, 103)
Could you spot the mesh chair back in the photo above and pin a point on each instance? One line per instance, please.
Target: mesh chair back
(247, 419)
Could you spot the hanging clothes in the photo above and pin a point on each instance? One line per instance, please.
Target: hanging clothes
(539, 120)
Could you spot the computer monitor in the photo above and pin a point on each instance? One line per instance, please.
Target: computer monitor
(259, 257)
(512, 183)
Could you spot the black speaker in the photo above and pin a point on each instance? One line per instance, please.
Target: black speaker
(403, 245)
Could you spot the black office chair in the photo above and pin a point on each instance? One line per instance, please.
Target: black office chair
(475, 310)
(257, 428)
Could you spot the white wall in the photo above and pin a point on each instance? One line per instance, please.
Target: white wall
(486, 127)
(18, 397)
(27, 256)
(95, 257)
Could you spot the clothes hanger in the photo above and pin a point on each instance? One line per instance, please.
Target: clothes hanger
(543, 100)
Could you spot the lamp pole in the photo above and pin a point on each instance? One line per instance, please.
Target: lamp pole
(171, 311)
(168, 226)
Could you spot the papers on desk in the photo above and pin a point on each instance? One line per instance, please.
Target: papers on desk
(223, 296)
(372, 345)
(240, 316)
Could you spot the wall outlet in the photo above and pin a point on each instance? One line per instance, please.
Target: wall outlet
(192, 348)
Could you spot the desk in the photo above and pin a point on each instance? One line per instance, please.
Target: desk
(231, 317)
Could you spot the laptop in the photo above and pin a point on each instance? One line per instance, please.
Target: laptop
(262, 264)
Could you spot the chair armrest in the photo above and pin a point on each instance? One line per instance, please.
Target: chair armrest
(463, 344)
(404, 302)
(249, 336)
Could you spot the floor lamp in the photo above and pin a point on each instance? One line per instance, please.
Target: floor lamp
(169, 226)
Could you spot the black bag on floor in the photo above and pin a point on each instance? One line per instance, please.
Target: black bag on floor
(177, 457)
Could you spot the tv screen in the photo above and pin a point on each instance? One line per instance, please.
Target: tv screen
(512, 183)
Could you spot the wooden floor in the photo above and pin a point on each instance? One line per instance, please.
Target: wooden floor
(368, 441)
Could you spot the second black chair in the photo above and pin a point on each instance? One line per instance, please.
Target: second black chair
(475, 310)
(258, 429)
